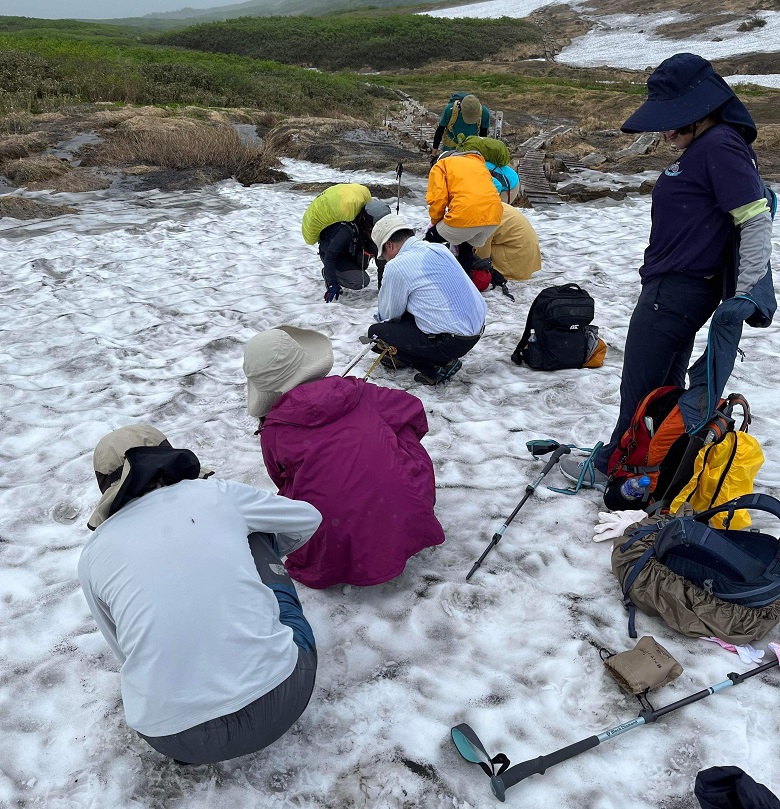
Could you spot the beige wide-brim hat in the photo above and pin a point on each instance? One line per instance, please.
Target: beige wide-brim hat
(277, 360)
(111, 466)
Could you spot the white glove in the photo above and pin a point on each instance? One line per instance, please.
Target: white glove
(613, 524)
(747, 654)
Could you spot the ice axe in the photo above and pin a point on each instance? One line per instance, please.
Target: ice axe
(399, 170)
(502, 776)
(370, 343)
(542, 447)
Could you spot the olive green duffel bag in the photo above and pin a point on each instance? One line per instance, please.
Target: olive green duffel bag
(656, 590)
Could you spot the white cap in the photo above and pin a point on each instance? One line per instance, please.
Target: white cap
(386, 227)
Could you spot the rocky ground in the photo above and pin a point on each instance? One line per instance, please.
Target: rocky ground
(94, 146)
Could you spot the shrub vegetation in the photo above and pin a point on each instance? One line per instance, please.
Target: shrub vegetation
(376, 41)
(43, 68)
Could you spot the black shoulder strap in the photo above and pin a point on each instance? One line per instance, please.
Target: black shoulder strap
(758, 502)
(527, 332)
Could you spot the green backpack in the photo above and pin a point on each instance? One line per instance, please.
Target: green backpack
(493, 150)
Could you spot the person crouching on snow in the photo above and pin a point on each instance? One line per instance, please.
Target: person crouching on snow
(428, 309)
(184, 578)
(463, 203)
(345, 249)
(352, 450)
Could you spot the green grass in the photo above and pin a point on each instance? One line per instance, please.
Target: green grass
(39, 71)
(441, 84)
(259, 63)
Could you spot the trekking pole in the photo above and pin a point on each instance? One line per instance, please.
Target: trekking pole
(472, 749)
(399, 170)
(529, 490)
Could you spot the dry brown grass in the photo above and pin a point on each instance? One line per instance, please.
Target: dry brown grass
(180, 143)
(16, 146)
(74, 182)
(22, 208)
(16, 122)
(34, 169)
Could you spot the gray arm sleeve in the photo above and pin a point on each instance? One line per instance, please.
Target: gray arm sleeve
(755, 249)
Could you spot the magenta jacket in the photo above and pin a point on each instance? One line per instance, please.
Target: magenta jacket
(352, 450)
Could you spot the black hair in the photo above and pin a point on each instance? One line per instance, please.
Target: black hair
(401, 235)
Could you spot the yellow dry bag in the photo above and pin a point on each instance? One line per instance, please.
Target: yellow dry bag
(722, 472)
(339, 203)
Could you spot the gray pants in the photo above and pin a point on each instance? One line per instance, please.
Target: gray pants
(263, 721)
(350, 276)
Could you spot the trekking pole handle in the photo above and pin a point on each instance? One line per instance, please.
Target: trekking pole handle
(500, 783)
(554, 458)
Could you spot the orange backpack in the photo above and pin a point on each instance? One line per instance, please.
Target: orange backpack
(657, 445)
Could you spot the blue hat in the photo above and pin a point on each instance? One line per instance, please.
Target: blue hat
(684, 89)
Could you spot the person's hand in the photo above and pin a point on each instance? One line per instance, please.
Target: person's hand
(332, 293)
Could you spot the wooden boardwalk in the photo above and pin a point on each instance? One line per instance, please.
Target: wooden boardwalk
(534, 184)
(533, 181)
(542, 140)
(645, 143)
(414, 122)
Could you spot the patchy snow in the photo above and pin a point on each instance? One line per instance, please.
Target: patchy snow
(138, 309)
(769, 80)
(620, 40)
(493, 9)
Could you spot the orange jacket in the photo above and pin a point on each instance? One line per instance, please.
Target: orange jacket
(461, 192)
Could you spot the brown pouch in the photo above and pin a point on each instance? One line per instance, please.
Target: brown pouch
(648, 665)
(596, 358)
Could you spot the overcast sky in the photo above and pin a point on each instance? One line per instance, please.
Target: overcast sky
(100, 9)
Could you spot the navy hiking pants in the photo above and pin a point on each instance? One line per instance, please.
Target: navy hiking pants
(425, 352)
(670, 311)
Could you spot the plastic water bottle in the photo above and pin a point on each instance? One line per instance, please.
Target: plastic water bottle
(635, 488)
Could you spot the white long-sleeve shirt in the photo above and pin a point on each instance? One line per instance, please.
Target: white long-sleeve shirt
(426, 280)
(173, 587)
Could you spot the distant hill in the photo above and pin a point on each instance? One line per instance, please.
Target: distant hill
(268, 8)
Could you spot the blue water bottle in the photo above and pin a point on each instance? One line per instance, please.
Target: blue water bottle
(635, 488)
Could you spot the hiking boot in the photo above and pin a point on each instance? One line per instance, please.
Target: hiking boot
(573, 468)
(441, 374)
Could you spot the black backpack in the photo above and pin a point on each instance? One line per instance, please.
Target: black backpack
(741, 567)
(556, 331)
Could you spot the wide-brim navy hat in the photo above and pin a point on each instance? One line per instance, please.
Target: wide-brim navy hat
(684, 89)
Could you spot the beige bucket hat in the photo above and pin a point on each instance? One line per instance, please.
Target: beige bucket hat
(386, 227)
(277, 360)
(111, 467)
(471, 109)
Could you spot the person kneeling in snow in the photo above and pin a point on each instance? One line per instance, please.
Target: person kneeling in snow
(429, 309)
(350, 448)
(346, 248)
(184, 579)
(513, 247)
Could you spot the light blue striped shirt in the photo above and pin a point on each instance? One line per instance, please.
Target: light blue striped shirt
(426, 280)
